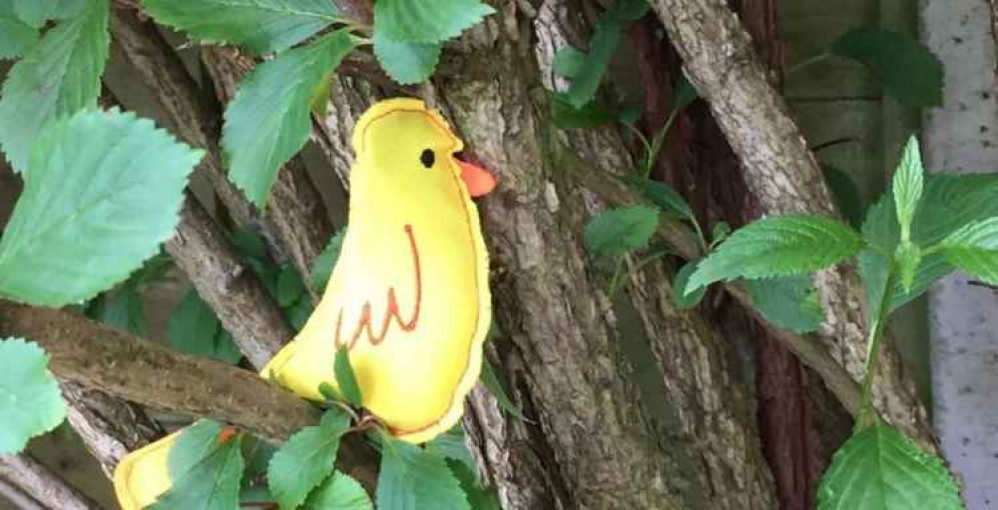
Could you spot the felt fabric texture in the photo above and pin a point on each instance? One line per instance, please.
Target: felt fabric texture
(409, 296)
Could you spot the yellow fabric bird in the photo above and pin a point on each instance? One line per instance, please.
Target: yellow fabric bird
(409, 296)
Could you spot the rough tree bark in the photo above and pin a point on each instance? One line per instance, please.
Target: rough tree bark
(38, 481)
(783, 175)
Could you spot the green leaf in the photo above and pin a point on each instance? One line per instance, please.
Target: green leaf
(789, 302)
(339, 492)
(30, 401)
(346, 380)
(205, 472)
(782, 245)
(408, 63)
(909, 71)
(298, 313)
(680, 283)
(319, 102)
(873, 271)
(662, 195)
(845, 193)
(289, 286)
(16, 37)
(412, 478)
(262, 26)
(427, 22)
(719, 233)
(569, 62)
(122, 309)
(57, 77)
(907, 187)
(269, 119)
(880, 469)
(250, 245)
(103, 191)
(974, 249)
(452, 445)
(606, 37)
(35, 12)
(620, 230)
(322, 267)
(194, 329)
(684, 95)
(306, 459)
(495, 388)
(588, 116)
(907, 257)
(479, 497)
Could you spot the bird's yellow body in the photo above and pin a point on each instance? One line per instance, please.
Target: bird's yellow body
(409, 296)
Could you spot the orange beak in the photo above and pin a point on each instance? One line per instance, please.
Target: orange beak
(478, 180)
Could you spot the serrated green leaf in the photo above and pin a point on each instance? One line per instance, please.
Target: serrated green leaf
(289, 286)
(35, 12)
(408, 63)
(306, 459)
(974, 249)
(880, 469)
(194, 329)
(568, 62)
(346, 380)
(122, 309)
(339, 492)
(16, 37)
(907, 257)
(479, 497)
(205, 472)
(606, 37)
(427, 22)
(782, 245)
(847, 196)
(103, 192)
(662, 195)
(412, 478)
(258, 454)
(297, 314)
(495, 388)
(681, 299)
(588, 116)
(719, 233)
(620, 230)
(269, 120)
(57, 77)
(452, 445)
(909, 71)
(907, 187)
(322, 267)
(262, 26)
(789, 302)
(30, 401)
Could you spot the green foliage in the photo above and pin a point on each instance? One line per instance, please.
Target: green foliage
(16, 37)
(346, 380)
(909, 72)
(322, 267)
(907, 257)
(306, 459)
(479, 497)
(205, 471)
(495, 388)
(407, 63)
(614, 232)
(194, 329)
(788, 302)
(58, 76)
(907, 187)
(89, 214)
(590, 115)
(289, 286)
(122, 309)
(452, 445)
(30, 401)
(427, 22)
(269, 119)
(680, 284)
(606, 37)
(261, 26)
(412, 478)
(339, 492)
(35, 12)
(845, 193)
(880, 469)
(569, 62)
(662, 195)
(974, 249)
(778, 246)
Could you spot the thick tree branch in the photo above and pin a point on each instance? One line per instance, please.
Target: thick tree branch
(783, 175)
(42, 484)
(127, 367)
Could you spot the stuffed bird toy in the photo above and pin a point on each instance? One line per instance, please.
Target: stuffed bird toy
(409, 297)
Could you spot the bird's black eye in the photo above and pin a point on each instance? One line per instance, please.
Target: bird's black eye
(427, 158)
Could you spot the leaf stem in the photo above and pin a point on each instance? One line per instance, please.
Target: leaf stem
(617, 274)
(656, 145)
(873, 352)
(807, 63)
